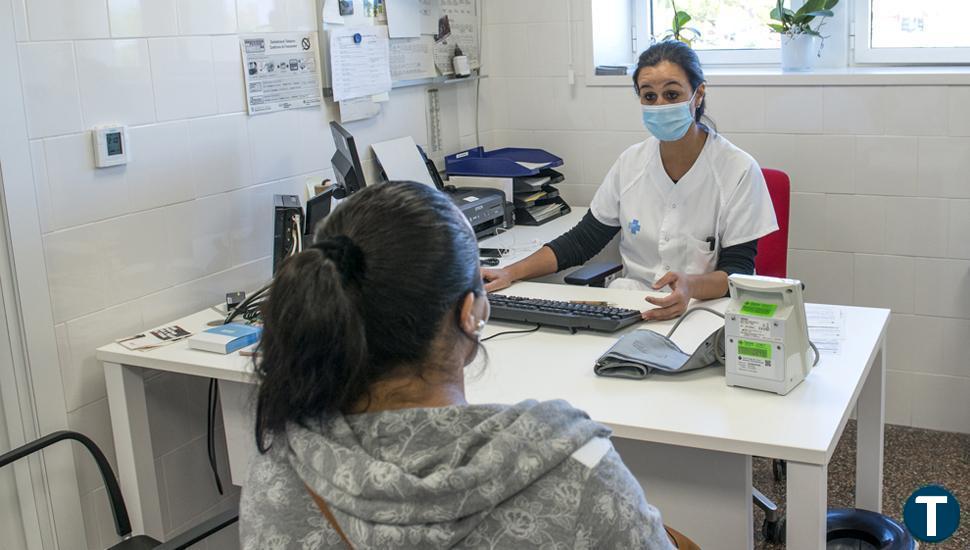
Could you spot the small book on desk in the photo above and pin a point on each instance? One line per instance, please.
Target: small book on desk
(225, 339)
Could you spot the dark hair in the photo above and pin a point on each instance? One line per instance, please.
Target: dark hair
(387, 268)
(680, 54)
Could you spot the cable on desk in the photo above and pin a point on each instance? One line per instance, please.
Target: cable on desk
(709, 310)
(245, 305)
(685, 314)
(210, 430)
(527, 331)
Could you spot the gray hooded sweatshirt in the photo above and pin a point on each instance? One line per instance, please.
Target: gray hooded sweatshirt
(531, 475)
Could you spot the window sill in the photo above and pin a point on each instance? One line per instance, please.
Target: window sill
(851, 76)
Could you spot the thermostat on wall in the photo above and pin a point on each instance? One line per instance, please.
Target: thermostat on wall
(110, 145)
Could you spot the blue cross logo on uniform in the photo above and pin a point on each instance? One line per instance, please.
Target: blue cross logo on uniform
(635, 226)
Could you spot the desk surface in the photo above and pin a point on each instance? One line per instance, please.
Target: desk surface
(523, 240)
(694, 409)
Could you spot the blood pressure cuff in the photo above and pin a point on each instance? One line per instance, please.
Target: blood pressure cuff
(643, 352)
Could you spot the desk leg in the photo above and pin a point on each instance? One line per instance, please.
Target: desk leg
(704, 494)
(807, 506)
(133, 447)
(870, 415)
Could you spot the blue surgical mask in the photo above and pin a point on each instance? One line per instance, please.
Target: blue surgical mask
(668, 122)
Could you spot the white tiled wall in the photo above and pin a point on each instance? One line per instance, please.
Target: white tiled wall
(880, 181)
(190, 217)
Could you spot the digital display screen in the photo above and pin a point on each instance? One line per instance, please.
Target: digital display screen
(114, 143)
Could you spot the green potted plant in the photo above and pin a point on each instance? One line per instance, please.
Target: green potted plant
(799, 37)
(679, 29)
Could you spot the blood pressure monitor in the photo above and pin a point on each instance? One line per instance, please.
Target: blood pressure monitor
(766, 334)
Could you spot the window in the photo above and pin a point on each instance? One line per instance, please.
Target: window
(899, 31)
(735, 32)
(731, 31)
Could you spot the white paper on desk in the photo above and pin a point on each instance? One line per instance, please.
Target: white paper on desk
(826, 327)
(359, 108)
(359, 69)
(281, 71)
(532, 165)
(412, 58)
(401, 161)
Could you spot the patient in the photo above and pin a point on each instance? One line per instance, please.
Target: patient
(365, 437)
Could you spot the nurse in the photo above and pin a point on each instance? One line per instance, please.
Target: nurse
(689, 205)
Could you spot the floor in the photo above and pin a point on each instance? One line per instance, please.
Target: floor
(913, 458)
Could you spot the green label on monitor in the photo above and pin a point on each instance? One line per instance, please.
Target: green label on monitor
(759, 309)
(754, 349)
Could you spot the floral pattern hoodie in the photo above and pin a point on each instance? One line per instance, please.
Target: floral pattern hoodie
(531, 475)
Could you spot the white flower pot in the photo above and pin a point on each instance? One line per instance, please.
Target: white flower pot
(799, 52)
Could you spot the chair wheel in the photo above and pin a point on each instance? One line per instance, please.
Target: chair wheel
(774, 531)
(779, 468)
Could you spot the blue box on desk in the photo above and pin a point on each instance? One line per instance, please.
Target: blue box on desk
(225, 339)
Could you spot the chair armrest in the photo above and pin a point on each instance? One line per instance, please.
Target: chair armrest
(118, 510)
(202, 530)
(597, 274)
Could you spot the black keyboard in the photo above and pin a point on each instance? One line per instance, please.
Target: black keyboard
(561, 314)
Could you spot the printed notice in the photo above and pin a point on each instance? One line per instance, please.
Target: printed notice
(826, 327)
(281, 71)
(360, 62)
(412, 58)
(457, 28)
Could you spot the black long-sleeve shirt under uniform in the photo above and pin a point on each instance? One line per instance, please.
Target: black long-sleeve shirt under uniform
(590, 236)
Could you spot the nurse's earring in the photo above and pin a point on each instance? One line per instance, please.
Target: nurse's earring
(479, 328)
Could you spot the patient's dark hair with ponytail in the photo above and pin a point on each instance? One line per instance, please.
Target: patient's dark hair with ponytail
(387, 269)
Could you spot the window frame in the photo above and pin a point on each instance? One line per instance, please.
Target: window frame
(860, 25)
(723, 57)
(846, 53)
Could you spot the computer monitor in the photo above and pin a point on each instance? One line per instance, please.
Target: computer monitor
(346, 163)
(317, 209)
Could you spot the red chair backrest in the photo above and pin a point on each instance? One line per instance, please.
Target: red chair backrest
(772, 258)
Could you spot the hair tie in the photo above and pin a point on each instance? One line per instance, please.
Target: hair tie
(347, 256)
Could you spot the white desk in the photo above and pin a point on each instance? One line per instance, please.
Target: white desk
(688, 438)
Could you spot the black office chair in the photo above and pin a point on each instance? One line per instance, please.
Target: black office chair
(118, 509)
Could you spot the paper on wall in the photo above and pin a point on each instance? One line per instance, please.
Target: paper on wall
(462, 25)
(412, 18)
(412, 58)
(331, 12)
(464, 28)
(281, 71)
(358, 108)
(403, 18)
(359, 68)
(430, 11)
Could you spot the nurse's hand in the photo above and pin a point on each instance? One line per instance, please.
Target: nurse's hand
(496, 279)
(674, 304)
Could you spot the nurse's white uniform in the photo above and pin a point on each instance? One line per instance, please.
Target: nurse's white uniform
(669, 227)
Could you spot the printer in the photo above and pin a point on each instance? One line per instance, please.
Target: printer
(524, 176)
(486, 209)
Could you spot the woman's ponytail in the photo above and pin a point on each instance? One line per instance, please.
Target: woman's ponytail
(387, 268)
(313, 320)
